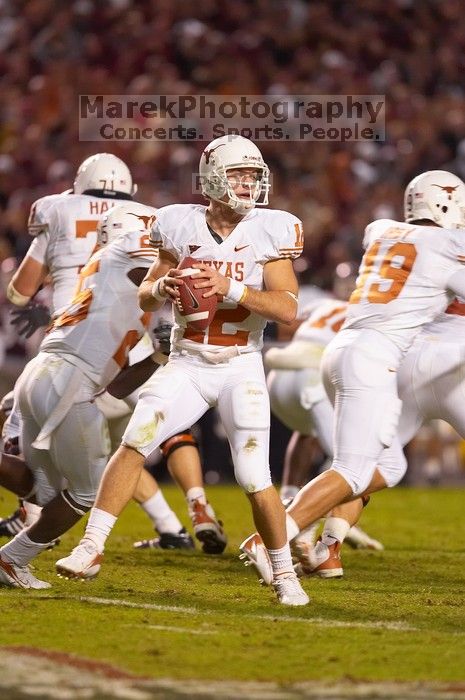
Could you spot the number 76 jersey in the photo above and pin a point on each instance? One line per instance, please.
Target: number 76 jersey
(404, 279)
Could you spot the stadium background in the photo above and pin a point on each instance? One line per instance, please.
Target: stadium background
(52, 51)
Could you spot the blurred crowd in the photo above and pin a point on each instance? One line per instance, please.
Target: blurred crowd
(412, 51)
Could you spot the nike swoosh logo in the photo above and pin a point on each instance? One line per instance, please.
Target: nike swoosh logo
(391, 370)
(238, 248)
(195, 303)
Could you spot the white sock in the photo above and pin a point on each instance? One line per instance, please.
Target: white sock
(196, 493)
(335, 529)
(286, 492)
(99, 526)
(292, 529)
(161, 515)
(33, 512)
(308, 535)
(21, 549)
(281, 560)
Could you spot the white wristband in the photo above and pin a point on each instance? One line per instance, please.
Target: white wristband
(158, 289)
(236, 291)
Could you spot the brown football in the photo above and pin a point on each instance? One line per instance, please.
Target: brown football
(191, 304)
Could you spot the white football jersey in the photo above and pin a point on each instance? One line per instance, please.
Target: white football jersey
(104, 320)
(64, 229)
(323, 323)
(405, 279)
(448, 326)
(261, 236)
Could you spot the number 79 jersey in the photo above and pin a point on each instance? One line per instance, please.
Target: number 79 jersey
(404, 277)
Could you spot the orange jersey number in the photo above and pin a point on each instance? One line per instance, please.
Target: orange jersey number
(396, 266)
(326, 320)
(79, 307)
(216, 333)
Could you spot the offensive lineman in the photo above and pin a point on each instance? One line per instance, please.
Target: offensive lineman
(244, 255)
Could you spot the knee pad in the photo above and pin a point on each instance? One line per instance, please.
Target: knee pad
(250, 406)
(391, 415)
(176, 441)
(251, 470)
(72, 503)
(393, 470)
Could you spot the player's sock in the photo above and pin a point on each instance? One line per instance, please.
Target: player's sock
(281, 560)
(196, 493)
(292, 529)
(288, 492)
(335, 530)
(33, 512)
(161, 515)
(21, 549)
(308, 534)
(99, 526)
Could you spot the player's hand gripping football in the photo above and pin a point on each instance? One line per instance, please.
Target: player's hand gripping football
(211, 280)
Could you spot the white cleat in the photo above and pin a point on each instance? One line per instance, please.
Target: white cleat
(84, 562)
(289, 590)
(19, 577)
(254, 553)
(358, 539)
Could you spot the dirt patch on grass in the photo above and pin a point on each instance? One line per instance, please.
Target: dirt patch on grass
(27, 673)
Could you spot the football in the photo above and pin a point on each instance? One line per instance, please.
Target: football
(197, 310)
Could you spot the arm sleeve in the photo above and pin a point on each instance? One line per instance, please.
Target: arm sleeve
(286, 237)
(160, 237)
(38, 248)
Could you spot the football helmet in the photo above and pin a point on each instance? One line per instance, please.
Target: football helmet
(104, 173)
(123, 219)
(228, 153)
(436, 195)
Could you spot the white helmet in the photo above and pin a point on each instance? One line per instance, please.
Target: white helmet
(438, 196)
(226, 153)
(104, 173)
(123, 219)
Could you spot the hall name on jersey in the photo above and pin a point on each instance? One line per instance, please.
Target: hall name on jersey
(233, 270)
(99, 208)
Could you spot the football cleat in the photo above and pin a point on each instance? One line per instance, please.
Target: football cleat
(9, 527)
(254, 553)
(359, 539)
(289, 590)
(321, 560)
(84, 562)
(208, 530)
(168, 540)
(19, 577)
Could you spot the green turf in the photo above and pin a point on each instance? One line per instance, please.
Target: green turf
(396, 615)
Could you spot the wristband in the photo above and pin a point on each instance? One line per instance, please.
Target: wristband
(15, 297)
(237, 291)
(158, 288)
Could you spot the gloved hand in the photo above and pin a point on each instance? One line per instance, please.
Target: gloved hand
(30, 317)
(162, 333)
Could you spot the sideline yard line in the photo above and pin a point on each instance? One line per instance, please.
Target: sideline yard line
(170, 628)
(392, 626)
(380, 624)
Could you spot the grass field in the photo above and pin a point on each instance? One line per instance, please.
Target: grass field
(396, 615)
